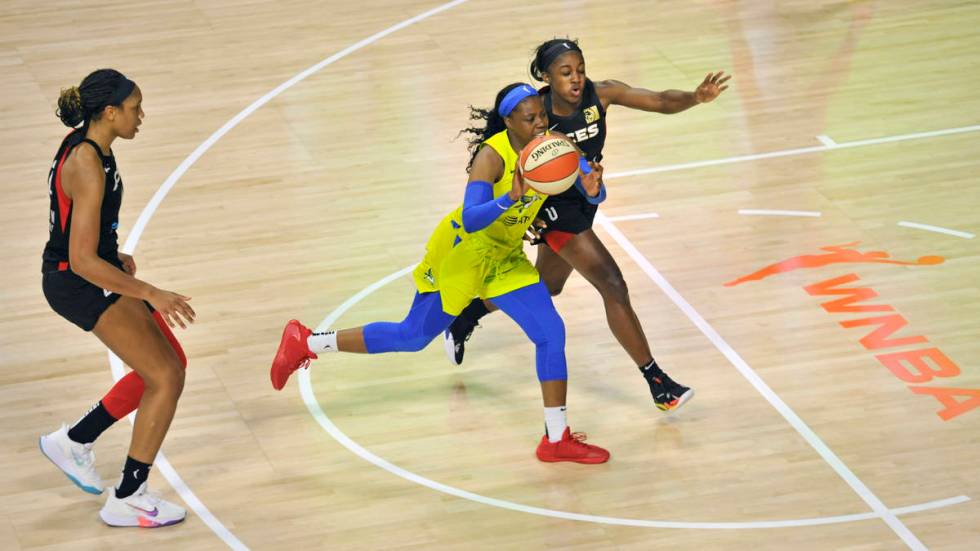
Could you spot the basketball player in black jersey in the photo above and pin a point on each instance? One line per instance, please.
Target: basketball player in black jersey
(577, 107)
(90, 283)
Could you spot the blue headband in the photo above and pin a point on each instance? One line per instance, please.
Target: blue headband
(514, 97)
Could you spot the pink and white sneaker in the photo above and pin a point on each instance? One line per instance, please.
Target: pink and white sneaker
(143, 509)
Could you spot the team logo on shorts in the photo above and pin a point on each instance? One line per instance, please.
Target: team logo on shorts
(591, 114)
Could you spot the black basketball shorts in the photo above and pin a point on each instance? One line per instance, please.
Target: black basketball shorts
(75, 299)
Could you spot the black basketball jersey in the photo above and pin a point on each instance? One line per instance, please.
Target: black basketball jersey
(55, 257)
(586, 127)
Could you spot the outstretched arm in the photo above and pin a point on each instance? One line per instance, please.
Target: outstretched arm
(615, 92)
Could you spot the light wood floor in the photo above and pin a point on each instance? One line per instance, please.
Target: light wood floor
(336, 182)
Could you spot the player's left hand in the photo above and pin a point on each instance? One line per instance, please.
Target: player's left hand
(592, 182)
(129, 265)
(712, 87)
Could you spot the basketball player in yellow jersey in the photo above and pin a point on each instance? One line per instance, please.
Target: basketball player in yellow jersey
(476, 251)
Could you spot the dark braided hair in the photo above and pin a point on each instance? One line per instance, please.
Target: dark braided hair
(547, 53)
(494, 123)
(85, 102)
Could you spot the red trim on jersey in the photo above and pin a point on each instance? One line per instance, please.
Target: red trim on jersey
(62, 266)
(64, 203)
(557, 239)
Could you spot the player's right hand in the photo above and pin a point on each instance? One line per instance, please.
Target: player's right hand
(518, 187)
(172, 306)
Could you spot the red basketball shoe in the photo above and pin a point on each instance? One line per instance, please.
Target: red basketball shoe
(571, 447)
(293, 353)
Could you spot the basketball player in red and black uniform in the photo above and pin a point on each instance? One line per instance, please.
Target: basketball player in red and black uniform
(90, 283)
(577, 107)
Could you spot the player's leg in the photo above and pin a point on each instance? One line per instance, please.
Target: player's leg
(129, 330)
(589, 257)
(424, 321)
(531, 307)
(554, 273)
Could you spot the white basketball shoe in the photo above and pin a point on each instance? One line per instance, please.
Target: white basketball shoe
(144, 509)
(76, 460)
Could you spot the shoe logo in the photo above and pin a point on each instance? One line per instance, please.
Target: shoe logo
(837, 254)
(150, 513)
(106, 292)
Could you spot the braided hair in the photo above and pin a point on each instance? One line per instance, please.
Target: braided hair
(494, 123)
(85, 102)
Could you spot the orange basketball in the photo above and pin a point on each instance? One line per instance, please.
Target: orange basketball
(549, 164)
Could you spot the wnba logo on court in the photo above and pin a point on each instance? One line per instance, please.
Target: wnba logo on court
(914, 367)
(836, 254)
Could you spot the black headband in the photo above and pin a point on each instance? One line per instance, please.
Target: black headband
(122, 91)
(555, 51)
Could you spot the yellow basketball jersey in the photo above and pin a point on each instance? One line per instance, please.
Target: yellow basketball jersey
(507, 231)
(486, 263)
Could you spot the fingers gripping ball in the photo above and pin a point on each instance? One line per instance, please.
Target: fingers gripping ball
(549, 164)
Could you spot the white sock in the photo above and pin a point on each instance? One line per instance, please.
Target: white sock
(554, 422)
(322, 342)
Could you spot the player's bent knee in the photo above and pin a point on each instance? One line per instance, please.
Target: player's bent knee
(613, 286)
(167, 378)
(417, 344)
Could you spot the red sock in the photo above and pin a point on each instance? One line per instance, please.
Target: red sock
(124, 397)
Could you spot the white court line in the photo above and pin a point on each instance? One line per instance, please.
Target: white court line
(937, 229)
(176, 481)
(151, 207)
(931, 505)
(148, 211)
(769, 212)
(827, 141)
(134, 236)
(791, 152)
(643, 216)
(791, 417)
(313, 405)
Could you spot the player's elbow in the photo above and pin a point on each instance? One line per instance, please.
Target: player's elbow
(81, 263)
(471, 222)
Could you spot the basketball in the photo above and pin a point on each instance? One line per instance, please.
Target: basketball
(549, 164)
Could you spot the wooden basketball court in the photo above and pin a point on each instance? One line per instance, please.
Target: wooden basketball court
(295, 157)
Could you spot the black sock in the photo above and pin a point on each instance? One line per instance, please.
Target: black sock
(135, 474)
(475, 310)
(651, 369)
(89, 427)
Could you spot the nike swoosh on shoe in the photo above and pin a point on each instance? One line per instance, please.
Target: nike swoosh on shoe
(151, 513)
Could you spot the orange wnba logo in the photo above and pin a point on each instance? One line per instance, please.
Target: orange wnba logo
(913, 367)
(836, 254)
